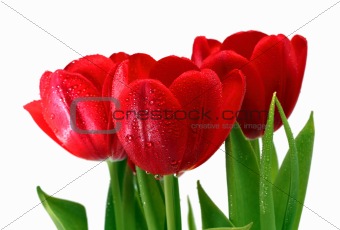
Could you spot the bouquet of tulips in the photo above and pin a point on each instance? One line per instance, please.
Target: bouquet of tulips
(153, 120)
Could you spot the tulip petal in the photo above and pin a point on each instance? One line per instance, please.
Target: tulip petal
(35, 110)
(169, 68)
(117, 58)
(275, 62)
(225, 61)
(152, 138)
(233, 91)
(202, 48)
(253, 112)
(93, 67)
(300, 46)
(78, 136)
(243, 43)
(200, 94)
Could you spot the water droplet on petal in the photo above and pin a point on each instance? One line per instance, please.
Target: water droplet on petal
(52, 116)
(151, 102)
(149, 144)
(128, 138)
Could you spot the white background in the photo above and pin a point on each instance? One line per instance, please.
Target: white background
(29, 158)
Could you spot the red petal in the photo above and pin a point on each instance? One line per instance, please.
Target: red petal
(200, 94)
(119, 57)
(276, 63)
(225, 61)
(232, 96)
(169, 68)
(139, 66)
(35, 110)
(300, 46)
(89, 116)
(243, 43)
(202, 48)
(152, 141)
(93, 67)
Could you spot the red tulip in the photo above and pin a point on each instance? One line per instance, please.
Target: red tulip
(81, 127)
(271, 63)
(170, 113)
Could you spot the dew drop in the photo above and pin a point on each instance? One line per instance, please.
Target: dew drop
(151, 102)
(149, 144)
(52, 116)
(158, 177)
(127, 99)
(174, 162)
(128, 138)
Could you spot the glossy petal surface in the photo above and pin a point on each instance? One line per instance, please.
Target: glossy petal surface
(152, 138)
(87, 116)
(200, 94)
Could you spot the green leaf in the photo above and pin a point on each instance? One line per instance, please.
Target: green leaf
(243, 179)
(247, 227)
(139, 214)
(267, 214)
(304, 146)
(212, 216)
(191, 218)
(255, 144)
(152, 200)
(66, 215)
(285, 215)
(275, 164)
(110, 212)
(128, 195)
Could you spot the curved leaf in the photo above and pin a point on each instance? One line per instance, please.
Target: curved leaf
(66, 215)
(243, 179)
(285, 209)
(212, 216)
(191, 219)
(152, 200)
(267, 215)
(304, 145)
(247, 227)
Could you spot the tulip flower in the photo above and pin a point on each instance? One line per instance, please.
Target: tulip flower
(170, 113)
(73, 112)
(271, 63)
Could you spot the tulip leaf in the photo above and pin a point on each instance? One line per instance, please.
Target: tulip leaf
(212, 216)
(247, 227)
(110, 212)
(283, 190)
(256, 148)
(285, 216)
(242, 179)
(275, 165)
(128, 195)
(267, 214)
(304, 145)
(152, 200)
(66, 215)
(139, 214)
(191, 218)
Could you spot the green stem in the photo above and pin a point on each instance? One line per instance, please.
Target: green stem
(116, 194)
(173, 214)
